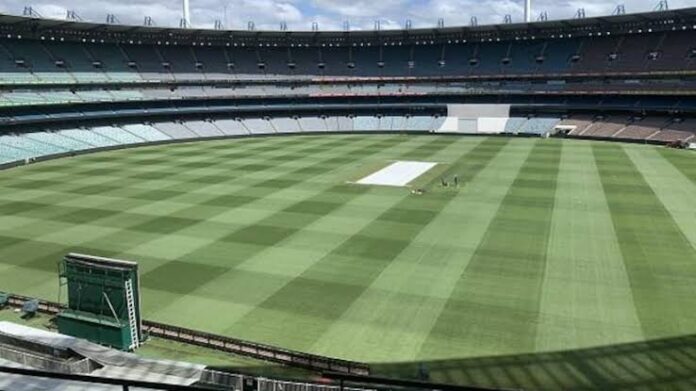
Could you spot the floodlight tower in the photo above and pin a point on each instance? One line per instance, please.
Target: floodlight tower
(527, 11)
(186, 20)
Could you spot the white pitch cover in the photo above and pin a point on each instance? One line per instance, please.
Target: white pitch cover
(399, 173)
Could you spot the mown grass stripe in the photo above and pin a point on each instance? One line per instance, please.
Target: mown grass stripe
(116, 243)
(586, 298)
(119, 182)
(324, 291)
(139, 231)
(401, 306)
(129, 186)
(674, 190)
(250, 268)
(120, 188)
(684, 161)
(269, 231)
(277, 183)
(660, 262)
(495, 305)
(285, 222)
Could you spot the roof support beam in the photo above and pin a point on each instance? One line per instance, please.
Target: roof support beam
(527, 11)
(186, 20)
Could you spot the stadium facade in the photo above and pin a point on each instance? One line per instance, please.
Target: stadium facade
(624, 77)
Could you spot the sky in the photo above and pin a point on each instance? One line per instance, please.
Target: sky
(328, 14)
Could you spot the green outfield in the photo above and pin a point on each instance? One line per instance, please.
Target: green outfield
(546, 245)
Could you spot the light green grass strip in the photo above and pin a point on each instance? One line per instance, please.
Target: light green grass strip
(401, 306)
(304, 309)
(232, 256)
(494, 307)
(121, 242)
(586, 297)
(259, 272)
(684, 161)
(660, 262)
(676, 191)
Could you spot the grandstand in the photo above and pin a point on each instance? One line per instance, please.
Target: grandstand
(231, 164)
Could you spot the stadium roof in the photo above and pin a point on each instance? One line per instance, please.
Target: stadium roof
(13, 26)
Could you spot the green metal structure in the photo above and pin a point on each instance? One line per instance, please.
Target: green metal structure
(103, 303)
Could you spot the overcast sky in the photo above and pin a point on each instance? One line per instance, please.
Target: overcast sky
(329, 14)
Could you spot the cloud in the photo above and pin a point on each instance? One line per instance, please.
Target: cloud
(329, 14)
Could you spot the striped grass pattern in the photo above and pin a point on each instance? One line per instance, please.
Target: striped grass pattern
(547, 245)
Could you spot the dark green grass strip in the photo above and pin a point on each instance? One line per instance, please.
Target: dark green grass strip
(495, 304)
(276, 184)
(135, 224)
(274, 228)
(319, 296)
(659, 260)
(118, 186)
(293, 218)
(684, 161)
(126, 170)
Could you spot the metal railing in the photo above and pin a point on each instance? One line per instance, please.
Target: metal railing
(338, 375)
(227, 344)
(125, 384)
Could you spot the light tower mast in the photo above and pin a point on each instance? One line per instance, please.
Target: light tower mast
(186, 20)
(527, 11)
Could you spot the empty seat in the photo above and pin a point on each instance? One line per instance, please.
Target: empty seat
(88, 137)
(231, 127)
(362, 123)
(118, 135)
(147, 132)
(286, 125)
(203, 128)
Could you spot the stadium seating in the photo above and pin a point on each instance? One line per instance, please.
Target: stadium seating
(259, 126)
(514, 125)
(203, 128)
(52, 61)
(641, 128)
(286, 125)
(605, 127)
(652, 129)
(44, 143)
(174, 130)
(231, 127)
(345, 124)
(437, 123)
(578, 123)
(677, 130)
(398, 123)
(89, 137)
(95, 95)
(119, 135)
(312, 124)
(361, 123)
(32, 147)
(538, 126)
(387, 123)
(419, 123)
(61, 76)
(150, 133)
(38, 59)
(10, 154)
(56, 139)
